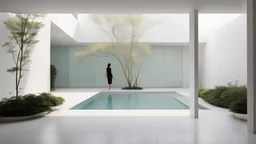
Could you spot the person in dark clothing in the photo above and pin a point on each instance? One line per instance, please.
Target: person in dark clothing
(109, 75)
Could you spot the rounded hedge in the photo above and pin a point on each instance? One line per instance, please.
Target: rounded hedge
(29, 104)
(200, 91)
(233, 94)
(212, 96)
(206, 93)
(51, 99)
(26, 106)
(233, 97)
(239, 106)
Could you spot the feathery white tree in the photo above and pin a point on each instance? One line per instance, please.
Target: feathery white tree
(124, 32)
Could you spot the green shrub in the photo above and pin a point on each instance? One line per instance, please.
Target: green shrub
(51, 99)
(213, 96)
(53, 76)
(232, 94)
(239, 106)
(206, 93)
(23, 106)
(28, 104)
(28, 96)
(210, 96)
(61, 100)
(200, 91)
(220, 89)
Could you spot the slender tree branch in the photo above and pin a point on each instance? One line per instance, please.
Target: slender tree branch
(106, 32)
(144, 32)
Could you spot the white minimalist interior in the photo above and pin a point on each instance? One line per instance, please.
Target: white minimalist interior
(211, 42)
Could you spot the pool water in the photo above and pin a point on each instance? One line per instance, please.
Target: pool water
(135, 101)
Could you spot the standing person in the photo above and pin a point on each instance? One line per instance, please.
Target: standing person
(109, 75)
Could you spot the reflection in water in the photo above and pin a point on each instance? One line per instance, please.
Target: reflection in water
(132, 101)
(110, 102)
(129, 101)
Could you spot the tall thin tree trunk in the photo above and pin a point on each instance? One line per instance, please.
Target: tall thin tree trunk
(16, 76)
(16, 80)
(20, 67)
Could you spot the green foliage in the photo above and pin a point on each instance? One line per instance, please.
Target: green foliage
(239, 106)
(232, 94)
(23, 106)
(200, 91)
(214, 97)
(206, 93)
(23, 28)
(53, 76)
(52, 100)
(28, 104)
(13, 69)
(61, 100)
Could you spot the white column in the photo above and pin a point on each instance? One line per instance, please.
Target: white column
(251, 65)
(193, 51)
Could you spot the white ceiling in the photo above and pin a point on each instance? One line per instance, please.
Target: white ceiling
(59, 37)
(122, 6)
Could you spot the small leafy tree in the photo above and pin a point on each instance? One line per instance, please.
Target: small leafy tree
(124, 33)
(23, 29)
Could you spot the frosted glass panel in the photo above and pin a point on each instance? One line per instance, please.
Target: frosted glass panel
(91, 72)
(162, 68)
(59, 58)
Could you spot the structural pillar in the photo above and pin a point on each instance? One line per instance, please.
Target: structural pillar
(251, 65)
(193, 51)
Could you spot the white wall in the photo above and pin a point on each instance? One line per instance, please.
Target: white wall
(37, 79)
(224, 57)
(66, 22)
(39, 69)
(6, 80)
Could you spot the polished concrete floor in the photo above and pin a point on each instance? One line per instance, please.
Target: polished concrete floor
(214, 126)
